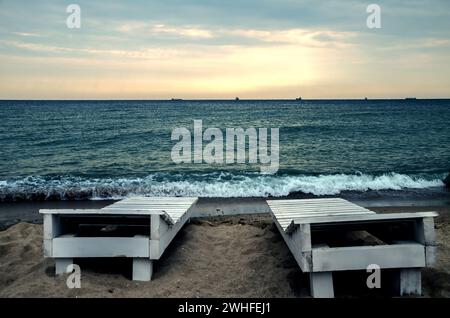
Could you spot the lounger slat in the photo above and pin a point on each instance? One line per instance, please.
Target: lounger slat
(317, 215)
(173, 208)
(364, 217)
(330, 203)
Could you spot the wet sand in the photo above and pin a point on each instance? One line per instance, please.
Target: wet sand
(240, 256)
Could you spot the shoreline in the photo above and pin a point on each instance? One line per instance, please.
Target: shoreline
(28, 211)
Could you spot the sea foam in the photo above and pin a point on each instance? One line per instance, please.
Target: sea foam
(204, 185)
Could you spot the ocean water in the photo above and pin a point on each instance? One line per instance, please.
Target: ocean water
(71, 150)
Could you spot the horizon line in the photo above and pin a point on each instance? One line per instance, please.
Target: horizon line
(229, 99)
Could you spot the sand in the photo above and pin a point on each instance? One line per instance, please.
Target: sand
(242, 256)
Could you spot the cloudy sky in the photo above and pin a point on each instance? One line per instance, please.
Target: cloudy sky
(222, 49)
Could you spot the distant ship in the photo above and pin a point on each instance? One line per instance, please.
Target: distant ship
(410, 98)
(176, 99)
(236, 99)
(365, 98)
(298, 98)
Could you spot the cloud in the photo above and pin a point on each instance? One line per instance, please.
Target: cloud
(239, 36)
(163, 30)
(26, 34)
(221, 39)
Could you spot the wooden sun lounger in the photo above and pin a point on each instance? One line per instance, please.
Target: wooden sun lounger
(140, 228)
(405, 241)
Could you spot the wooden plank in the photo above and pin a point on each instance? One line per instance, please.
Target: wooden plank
(147, 207)
(424, 231)
(409, 282)
(321, 285)
(48, 247)
(364, 217)
(305, 237)
(431, 256)
(306, 215)
(96, 211)
(293, 242)
(61, 265)
(163, 234)
(116, 211)
(319, 208)
(72, 247)
(289, 225)
(172, 209)
(359, 257)
(168, 200)
(300, 213)
(314, 205)
(159, 199)
(158, 204)
(155, 227)
(142, 269)
(289, 201)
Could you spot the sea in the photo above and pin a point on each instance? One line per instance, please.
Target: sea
(104, 149)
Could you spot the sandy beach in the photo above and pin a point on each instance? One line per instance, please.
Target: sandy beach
(232, 256)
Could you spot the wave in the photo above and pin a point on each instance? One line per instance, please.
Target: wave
(204, 185)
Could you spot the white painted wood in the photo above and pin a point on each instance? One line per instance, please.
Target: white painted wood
(166, 217)
(409, 282)
(299, 211)
(359, 257)
(321, 285)
(292, 216)
(171, 208)
(363, 217)
(424, 231)
(97, 211)
(285, 211)
(293, 241)
(165, 234)
(61, 265)
(52, 227)
(305, 237)
(317, 202)
(304, 201)
(295, 218)
(155, 227)
(431, 256)
(48, 248)
(66, 247)
(142, 269)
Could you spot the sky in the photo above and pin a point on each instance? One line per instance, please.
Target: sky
(210, 49)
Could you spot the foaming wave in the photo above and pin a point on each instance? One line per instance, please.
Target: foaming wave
(203, 185)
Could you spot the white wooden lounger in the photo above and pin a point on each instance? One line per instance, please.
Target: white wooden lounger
(140, 228)
(305, 224)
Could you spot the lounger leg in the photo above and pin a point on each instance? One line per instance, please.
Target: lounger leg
(142, 269)
(61, 265)
(321, 284)
(409, 282)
